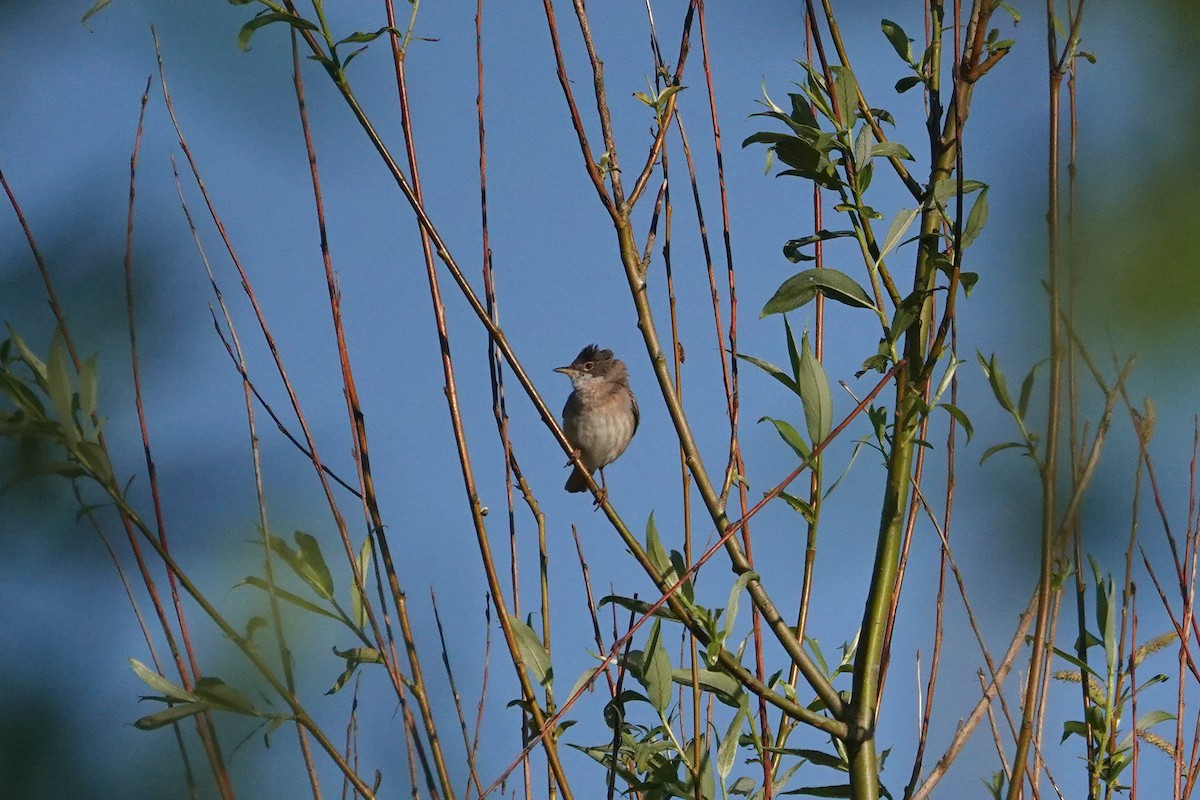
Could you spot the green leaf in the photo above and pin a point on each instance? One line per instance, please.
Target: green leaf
(310, 552)
(167, 716)
(1074, 727)
(370, 36)
(735, 594)
(900, 41)
(248, 30)
(804, 508)
(968, 281)
(862, 146)
(791, 248)
(975, 220)
(160, 684)
(996, 378)
(1027, 388)
(358, 608)
(906, 83)
(727, 750)
(890, 150)
(654, 549)
(656, 670)
(790, 436)
(96, 7)
(88, 388)
(92, 456)
(815, 394)
(845, 90)
(286, 596)
(58, 387)
(743, 786)
(533, 653)
(722, 685)
(221, 695)
(946, 188)
(637, 606)
(29, 359)
(802, 287)
(1152, 718)
(307, 562)
(774, 371)
(802, 112)
(996, 448)
(900, 224)
(686, 590)
(960, 417)
(360, 655)
(838, 790)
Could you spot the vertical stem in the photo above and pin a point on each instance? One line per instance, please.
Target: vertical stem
(1037, 658)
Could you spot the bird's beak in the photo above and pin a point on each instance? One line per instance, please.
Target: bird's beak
(564, 370)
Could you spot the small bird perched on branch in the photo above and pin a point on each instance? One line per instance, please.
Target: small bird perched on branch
(601, 415)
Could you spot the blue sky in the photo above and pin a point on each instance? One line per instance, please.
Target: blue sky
(71, 99)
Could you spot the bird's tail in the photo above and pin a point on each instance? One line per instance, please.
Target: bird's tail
(576, 483)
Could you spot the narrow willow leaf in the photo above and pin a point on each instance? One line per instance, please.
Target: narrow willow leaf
(793, 351)
(845, 89)
(1027, 388)
(370, 36)
(286, 596)
(220, 694)
(58, 387)
(1152, 718)
(679, 567)
(996, 448)
(791, 249)
(900, 224)
(91, 12)
(803, 507)
(248, 30)
(802, 112)
(160, 684)
(735, 594)
(743, 786)
(723, 686)
(890, 150)
(838, 790)
(727, 750)
(946, 188)
(960, 417)
(996, 378)
(637, 606)
(30, 360)
(654, 549)
(88, 388)
(360, 655)
(862, 146)
(358, 607)
(533, 653)
(772, 370)
(169, 715)
(656, 670)
(316, 568)
(975, 220)
(815, 394)
(899, 39)
(802, 287)
(790, 436)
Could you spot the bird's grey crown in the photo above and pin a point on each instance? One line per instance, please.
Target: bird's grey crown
(593, 353)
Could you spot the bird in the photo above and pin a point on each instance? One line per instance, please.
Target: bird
(601, 415)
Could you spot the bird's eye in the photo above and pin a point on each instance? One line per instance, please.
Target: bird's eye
(588, 366)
